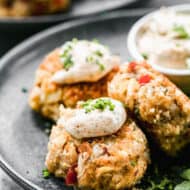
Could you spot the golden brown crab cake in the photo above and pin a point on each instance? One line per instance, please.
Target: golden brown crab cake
(111, 162)
(20, 8)
(162, 108)
(50, 91)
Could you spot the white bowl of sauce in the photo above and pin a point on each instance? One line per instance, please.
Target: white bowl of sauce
(163, 38)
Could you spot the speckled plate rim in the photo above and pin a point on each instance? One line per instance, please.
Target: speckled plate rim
(54, 18)
(13, 53)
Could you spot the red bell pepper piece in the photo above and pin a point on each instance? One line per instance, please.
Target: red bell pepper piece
(144, 79)
(71, 177)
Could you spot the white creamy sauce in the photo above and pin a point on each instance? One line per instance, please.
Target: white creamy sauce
(95, 123)
(90, 62)
(165, 39)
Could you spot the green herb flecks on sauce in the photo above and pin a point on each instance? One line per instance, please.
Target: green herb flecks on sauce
(181, 31)
(102, 67)
(68, 62)
(66, 56)
(95, 58)
(99, 104)
(98, 53)
(96, 41)
(145, 56)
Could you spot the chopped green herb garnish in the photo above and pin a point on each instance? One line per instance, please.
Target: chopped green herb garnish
(133, 163)
(93, 59)
(98, 53)
(66, 56)
(165, 183)
(95, 40)
(90, 59)
(66, 51)
(183, 186)
(100, 104)
(68, 62)
(102, 67)
(186, 174)
(45, 173)
(24, 90)
(181, 31)
(145, 56)
(75, 40)
(86, 105)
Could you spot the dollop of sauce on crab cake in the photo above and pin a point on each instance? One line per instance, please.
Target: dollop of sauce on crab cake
(84, 61)
(164, 39)
(79, 70)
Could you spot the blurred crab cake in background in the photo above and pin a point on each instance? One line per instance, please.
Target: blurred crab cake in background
(97, 146)
(162, 108)
(79, 70)
(21, 8)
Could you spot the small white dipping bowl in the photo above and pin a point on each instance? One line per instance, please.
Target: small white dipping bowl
(181, 77)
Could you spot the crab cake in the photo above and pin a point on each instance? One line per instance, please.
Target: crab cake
(157, 103)
(20, 8)
(97, 147)
(79, 70)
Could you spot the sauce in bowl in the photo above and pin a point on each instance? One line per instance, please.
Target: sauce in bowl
(164, 39)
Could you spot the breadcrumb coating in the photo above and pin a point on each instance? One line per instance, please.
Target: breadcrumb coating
(108, 163)
(157, 103)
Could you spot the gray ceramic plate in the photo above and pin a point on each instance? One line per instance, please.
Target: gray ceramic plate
(15, 30)
(23, 141)
(78, 8)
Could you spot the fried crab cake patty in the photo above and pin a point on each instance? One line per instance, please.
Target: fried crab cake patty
(20, 8)
(46, 96)
(156, 102)
(112, 162)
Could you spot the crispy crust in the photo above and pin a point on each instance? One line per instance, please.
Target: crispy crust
(159, 105)
(107, 163)
(20, 8)
(46, 96)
